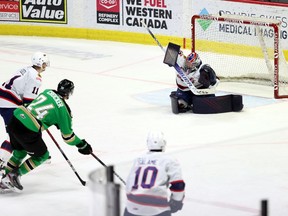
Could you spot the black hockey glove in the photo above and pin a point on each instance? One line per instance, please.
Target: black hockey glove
(84, 148)
(175, 205)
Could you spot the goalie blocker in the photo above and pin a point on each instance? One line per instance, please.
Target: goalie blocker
(205, 103)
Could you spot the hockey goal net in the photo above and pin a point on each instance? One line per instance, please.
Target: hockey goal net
(242, 50)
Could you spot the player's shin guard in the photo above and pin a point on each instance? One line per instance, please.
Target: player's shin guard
(217, 104)
(32, 162)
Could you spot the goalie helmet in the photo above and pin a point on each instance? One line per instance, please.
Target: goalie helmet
(156, 140)
(39, 58)
(65, 88)
(193, 61)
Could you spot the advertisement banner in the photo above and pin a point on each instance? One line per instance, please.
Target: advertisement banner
(155, 13)
(9, 10)
(205, 7)
(108, 12)
(160, 15)
(52, 11)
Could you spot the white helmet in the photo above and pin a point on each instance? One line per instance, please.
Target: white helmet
(156, 140)
(39, 58)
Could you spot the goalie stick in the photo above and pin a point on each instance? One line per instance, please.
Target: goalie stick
(180, 71)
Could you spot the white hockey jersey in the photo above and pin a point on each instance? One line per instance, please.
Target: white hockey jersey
(194, 76)
(22, 88)
(148, 182)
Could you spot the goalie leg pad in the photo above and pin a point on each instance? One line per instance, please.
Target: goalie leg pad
(217, 104)
(237, 103)
(174, 102)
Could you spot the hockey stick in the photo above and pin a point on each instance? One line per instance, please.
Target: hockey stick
(66, 158)
(101, 162)
(180, 71)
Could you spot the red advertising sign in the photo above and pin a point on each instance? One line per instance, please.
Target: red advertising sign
(108, 11)
(9, 10)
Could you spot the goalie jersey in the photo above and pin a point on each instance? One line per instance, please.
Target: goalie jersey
(147, 184)
(202, 76)
(21, 89)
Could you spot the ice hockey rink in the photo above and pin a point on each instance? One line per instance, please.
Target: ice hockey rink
(230, 161)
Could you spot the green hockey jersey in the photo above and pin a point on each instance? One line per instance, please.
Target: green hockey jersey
(46, 110)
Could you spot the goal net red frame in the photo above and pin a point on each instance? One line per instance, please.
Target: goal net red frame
(242, 49)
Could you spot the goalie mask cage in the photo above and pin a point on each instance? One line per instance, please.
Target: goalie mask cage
(242, 49)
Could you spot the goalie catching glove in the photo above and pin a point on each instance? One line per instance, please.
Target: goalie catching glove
(84, 148)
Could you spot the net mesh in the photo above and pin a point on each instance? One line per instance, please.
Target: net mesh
(242, 50)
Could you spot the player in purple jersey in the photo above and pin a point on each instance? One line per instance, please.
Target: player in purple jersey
(20, 89)
(150, 177)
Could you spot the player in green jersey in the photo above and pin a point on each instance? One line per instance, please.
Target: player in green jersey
(25, 131)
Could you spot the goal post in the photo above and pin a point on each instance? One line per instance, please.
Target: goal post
(242, 49)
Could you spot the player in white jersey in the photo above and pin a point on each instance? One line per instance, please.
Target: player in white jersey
(201, 75)
(20, 89)
(151, 175)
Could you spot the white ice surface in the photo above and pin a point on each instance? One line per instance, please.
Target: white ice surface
(230, 161)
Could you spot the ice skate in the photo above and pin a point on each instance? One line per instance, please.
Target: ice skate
(12, 181)
(2, 186)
